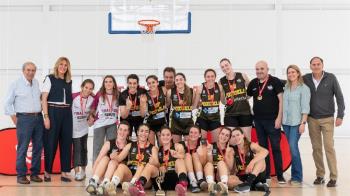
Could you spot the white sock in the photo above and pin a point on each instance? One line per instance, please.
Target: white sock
(104, 182)
(199, 175)
(210, 179)
(96, 178)
(115, 180)
(192, 177)
(133, 180)
(224, 179)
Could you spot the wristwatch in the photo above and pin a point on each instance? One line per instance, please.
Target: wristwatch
(304, 123)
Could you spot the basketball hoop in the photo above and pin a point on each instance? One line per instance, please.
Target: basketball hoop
(149, 24)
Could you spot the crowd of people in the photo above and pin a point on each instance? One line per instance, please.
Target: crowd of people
(172, 123)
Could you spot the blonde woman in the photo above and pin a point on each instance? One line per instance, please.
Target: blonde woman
(296, 107)
(58, 121)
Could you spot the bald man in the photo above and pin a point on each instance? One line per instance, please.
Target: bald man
(267, 92)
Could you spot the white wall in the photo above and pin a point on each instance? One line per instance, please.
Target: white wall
(281, 32)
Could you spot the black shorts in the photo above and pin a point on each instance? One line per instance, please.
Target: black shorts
(156, 128)
(207, 125)
(238, 121)
(133, 171)
(178, 128)
(260, 178)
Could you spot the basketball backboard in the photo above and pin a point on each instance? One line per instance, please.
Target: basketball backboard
(174, 16)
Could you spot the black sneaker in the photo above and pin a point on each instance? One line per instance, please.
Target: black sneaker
(332, 183)
(203, 184)
(264, 187)
(242, 188)
(195, 189)
(281, 180)
(319, 180)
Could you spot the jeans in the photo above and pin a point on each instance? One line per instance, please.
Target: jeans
(265, 130)
(29, 128)
(293, 136)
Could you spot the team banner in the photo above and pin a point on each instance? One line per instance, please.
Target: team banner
(8, 147)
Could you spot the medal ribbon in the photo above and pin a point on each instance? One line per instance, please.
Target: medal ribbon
(263, 87)
(209, 95)
(139, 154)
(110, 107)
(82, 105)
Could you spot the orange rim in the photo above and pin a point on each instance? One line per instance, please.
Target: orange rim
(149, 24)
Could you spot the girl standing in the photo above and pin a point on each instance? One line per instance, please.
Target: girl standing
(154, 107)
(106, 111)
(209, 96)
(181, 99)
(81, 107)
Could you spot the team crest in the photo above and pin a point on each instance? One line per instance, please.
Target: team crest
(270, 87)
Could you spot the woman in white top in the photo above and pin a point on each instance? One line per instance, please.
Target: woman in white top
(105, 112)
(56, 103)
(81, 107)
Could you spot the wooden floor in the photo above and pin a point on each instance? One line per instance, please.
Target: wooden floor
(9, 187)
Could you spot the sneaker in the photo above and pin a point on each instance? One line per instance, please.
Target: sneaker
(295, 183)
(100, 190)
(111, 189)
(319, 180)
(268, 180)
(91, 188)
(80, 176)
(203, 184)
(281, 180)
(194, 188)
(264, 187)
(125, 187)
(181, 188)
(137, 189)
(242, 188)
(332, 183)
(212, 189)
(222, 188)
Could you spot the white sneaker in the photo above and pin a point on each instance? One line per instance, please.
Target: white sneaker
(111, 189)
(100, 190)
(125, 188)
(222, 188)
(80, 176)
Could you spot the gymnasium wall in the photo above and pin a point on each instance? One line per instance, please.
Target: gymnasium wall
(280, 32)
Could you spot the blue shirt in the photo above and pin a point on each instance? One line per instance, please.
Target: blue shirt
(296, 102)
(23, 97)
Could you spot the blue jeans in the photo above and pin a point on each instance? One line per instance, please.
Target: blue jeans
(29, 128)
(292, 133)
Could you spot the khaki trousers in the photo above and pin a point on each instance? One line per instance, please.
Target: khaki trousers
(323, 130)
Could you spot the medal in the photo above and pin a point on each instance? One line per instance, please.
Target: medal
(181, 101)
(210, 96)
(155, 100)
(133, 102)
(259, 98)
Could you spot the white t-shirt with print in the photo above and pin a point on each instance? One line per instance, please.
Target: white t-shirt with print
(81, 108)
